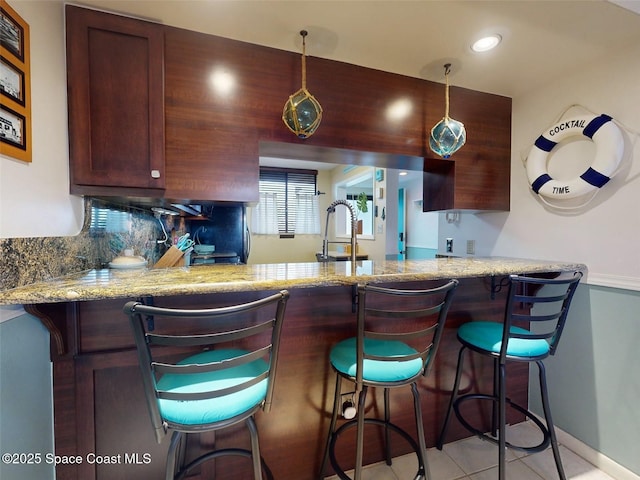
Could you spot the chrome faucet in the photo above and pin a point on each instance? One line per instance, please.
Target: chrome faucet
(325, 243)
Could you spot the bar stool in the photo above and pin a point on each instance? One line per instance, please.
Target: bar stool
(221, 385)
(527, 334)
(398, 336)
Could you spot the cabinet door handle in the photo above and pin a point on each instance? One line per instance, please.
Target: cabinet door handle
(155, 173)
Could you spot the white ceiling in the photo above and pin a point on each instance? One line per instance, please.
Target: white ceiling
(543, 40)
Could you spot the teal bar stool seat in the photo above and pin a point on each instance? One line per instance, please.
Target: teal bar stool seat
(206, 370)
(398, 334)
(534, 319)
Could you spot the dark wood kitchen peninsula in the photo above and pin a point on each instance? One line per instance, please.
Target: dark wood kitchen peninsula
(98, 400)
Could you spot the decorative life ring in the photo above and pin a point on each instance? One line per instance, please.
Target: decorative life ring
(609, 151)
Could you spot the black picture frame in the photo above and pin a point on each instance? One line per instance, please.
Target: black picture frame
(11, 34)
(13, 128)
(12, 81)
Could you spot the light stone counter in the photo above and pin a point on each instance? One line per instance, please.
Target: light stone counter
(105, 284)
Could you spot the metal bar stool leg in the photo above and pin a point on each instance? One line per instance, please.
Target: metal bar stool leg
(255, 448)
(332, 425)
(420, 430)
(360, 433)
(173, 465)
(502, 410)
(387, 419)
(547, 415)
(496, 394)
(454, 395)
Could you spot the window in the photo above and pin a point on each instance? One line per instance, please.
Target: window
(361, 182)
(105, 220)
(287, 197)
(367, 218)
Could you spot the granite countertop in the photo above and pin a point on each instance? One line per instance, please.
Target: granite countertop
(202, 279)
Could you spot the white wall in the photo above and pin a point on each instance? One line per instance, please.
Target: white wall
(604, 234)
(422, 227)
(34, 197)
(593, 379)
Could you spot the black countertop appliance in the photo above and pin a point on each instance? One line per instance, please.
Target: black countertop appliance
(225, 228)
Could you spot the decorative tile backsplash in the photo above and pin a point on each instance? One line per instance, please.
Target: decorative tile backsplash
(106, 232)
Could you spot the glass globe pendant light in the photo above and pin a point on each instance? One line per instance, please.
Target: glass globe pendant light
(448, 135)
(302, 113)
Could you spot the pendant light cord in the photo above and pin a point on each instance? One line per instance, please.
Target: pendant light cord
(304, 60)
(447, 70)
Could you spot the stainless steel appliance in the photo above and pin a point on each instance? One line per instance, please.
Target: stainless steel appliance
(224, 228)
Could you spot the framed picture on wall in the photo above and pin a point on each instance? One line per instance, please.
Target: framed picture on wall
(15, 85)
(12, 128)
(11, 81)
(11, 33)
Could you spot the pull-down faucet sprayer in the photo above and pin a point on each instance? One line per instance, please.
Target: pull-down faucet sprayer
(325, 244)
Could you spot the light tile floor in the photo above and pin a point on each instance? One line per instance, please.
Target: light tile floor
(475, 459)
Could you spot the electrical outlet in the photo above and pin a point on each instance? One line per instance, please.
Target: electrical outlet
(471, 247)
(449, 245)
(349, 410)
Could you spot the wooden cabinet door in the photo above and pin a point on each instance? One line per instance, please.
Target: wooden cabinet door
(211, 137)
(114, 437)
(116, 101)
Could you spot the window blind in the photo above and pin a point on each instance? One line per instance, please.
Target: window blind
(295, 191)
(110, 221)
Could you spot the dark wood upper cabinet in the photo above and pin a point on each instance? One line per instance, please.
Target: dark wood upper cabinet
(213, 138)
(478, 176)
(116, 101)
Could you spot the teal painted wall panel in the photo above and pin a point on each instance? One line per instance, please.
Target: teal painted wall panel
(594, 378)
(419, 253)
(26, 405)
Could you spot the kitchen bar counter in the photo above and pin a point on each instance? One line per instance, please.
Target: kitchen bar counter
(217, 278)
(100, 408)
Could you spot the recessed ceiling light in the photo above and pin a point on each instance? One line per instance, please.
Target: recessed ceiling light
(487, 43)
(403, 173)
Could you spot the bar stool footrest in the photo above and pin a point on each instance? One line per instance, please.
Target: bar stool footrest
(353, 423)
(221, 453)
(484, 436)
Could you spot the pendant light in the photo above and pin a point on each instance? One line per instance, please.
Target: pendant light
(302, 113)
(448, 135)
